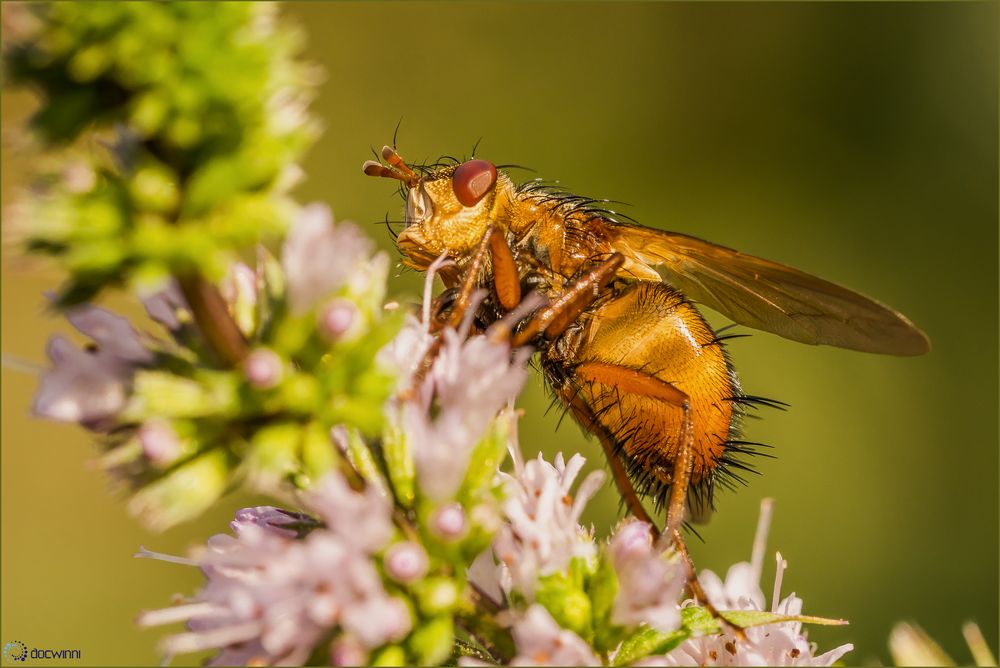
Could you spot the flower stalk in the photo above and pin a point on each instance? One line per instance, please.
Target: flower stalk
(213, 319)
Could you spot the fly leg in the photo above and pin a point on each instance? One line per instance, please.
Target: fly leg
(552, 320)
(506, 280)
(636, 382)
(618, 472)
(561, 310)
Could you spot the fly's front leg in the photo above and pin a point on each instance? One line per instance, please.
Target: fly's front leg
(506, 280)
(564, 308)
(469, 281)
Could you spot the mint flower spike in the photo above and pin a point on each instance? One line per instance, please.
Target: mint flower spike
(209, 107)
(272, 599)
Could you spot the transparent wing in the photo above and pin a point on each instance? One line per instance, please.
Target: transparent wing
(769, 296)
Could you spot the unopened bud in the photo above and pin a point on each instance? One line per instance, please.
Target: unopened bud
(159, 442)
(337, 318)
(449, 521)
(406, 562)
(263, 368)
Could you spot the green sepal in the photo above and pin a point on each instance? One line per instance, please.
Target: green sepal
(274, 450)
(432, 642)
(183, 493)
(319, 456)
(436, 595)
(485, 459)
(566, 602)
(390, 655)
(399, 464)
(162, 394)
(603, 589)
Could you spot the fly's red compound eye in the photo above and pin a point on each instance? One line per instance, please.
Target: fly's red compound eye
(472, 180)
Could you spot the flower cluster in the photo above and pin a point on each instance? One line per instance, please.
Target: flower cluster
(271, 598)
(361, 582)
(171, 422)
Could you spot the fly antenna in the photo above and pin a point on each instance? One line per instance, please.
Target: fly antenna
(397, 168)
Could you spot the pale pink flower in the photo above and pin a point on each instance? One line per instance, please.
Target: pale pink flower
(91, 386)
(363, 519)
(81, 386)
(113, 334)
(270, 598)
(164, 306)
(650, 580)
(404, 353)
(284, 523)
(543, 532)
(319, 257)
(540, 641)
(470, 381)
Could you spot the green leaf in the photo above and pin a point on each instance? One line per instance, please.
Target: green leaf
(701, 622)
(646, 641)
(697, 621)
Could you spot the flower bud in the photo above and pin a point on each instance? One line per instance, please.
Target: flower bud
(159, 442)
(449, 522)
(632, 539)
(263, 368)
(348, 651)
(406, 562)
(337, 318)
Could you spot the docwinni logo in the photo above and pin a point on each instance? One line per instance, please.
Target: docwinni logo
(15, 650)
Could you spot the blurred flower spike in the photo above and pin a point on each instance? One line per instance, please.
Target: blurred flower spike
(203, 112)
(179, 431)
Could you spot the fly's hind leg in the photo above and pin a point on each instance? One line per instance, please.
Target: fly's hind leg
(636, 382)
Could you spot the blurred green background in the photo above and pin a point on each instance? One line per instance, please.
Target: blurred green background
(855, 141)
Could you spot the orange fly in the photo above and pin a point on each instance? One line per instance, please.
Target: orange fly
(619, 339)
